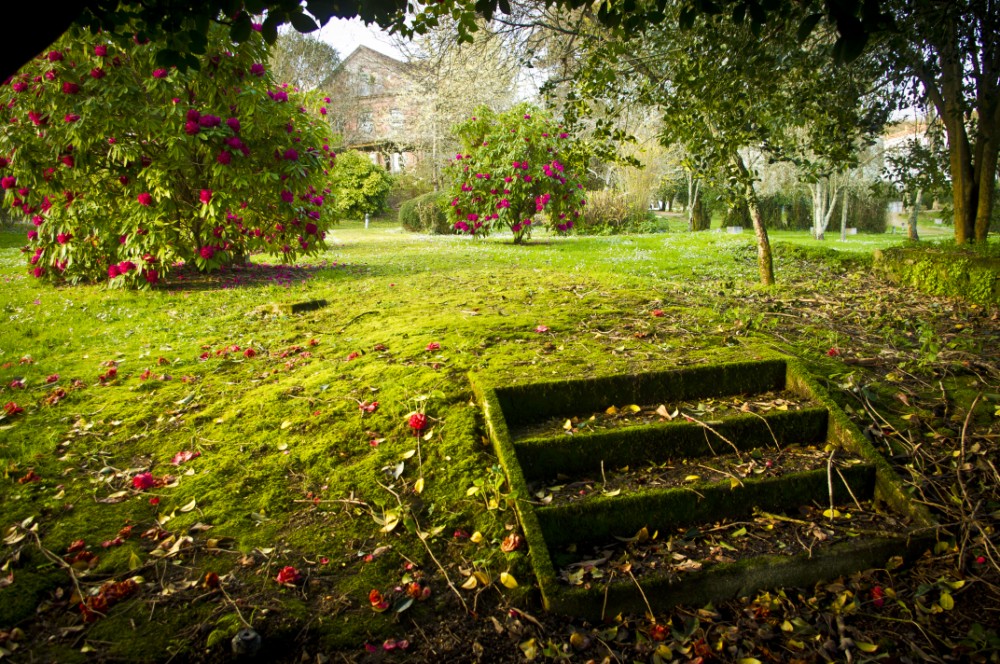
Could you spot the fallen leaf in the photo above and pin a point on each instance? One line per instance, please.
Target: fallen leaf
(508, 580)
(418, 486)
(190, 506)
(470, 583)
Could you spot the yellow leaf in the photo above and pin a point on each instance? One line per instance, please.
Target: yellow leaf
(190, 506)
(947, 602)
(286, 424)
(472, 490)
(692, 478)
(733, 483)
(429, 434)
(418, 486)
(408, 454)
(391, 521)
(134, 561)
(470, 583)
(508, 580)
(632, 408)
(866, 647)
(483, 577)
(476, 538)
(831, 514)
(749, 660)
(568, 424)
(611, 411)
(282, 446)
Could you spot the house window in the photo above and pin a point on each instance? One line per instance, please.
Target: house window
(365, 123)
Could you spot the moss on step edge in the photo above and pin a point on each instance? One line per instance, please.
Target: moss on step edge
(544, 458)
(973, 277)
(537, 401)
(604, 517)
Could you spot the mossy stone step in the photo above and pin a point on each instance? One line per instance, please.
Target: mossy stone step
(605, 517)
(585, 453)
(601, 517)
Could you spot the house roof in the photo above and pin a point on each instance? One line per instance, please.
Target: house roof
(364, 51)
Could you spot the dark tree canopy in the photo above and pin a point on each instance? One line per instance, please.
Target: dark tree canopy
(182, 25)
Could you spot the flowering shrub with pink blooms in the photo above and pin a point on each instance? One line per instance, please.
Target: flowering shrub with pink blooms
(517, 167)
(126, 168)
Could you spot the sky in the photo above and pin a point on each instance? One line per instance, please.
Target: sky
(346, 35)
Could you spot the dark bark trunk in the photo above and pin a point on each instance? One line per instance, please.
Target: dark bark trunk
(700, 221)
(765, 263)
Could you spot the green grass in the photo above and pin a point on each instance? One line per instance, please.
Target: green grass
(277, 431)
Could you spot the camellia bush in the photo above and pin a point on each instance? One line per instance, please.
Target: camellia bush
(127, 169)
(517, 166)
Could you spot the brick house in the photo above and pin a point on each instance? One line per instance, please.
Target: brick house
(372, 107)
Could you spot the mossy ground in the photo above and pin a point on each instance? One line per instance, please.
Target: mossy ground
(288, 469)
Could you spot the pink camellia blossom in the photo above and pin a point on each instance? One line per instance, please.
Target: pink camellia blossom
(286, 196)
(125, 267)
(123, 179)
(151, 276)
(8, 182)
(100, 50)
(71, 117)
(225, 157)
(257, 69)
(288, 575)
(278, 95)
(32, 235)
(19, 86)
(209, 121)
(37, 118)
(322, 110)
(67, 160)
(159, 73)
(143, 481)
(63, 238)
(249, 352)
(145, 199)
(542, 329)
(234, 124)
(112, 271)
(291, 155)
(205, 196)
(50, 76)
(207, 252)
(191, 128)
(417, 421)
(54, 378)
(54, 56)
(193, 115)
(70, 88)
(112, 140)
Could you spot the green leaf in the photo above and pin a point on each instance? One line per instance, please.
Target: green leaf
(807, 25)
(302, 23)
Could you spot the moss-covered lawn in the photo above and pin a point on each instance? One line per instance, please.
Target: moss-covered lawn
(297, 449)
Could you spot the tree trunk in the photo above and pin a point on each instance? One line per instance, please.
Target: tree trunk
(699, 219)
(765, 264)
(843, 218)
(987, 167)
(911, 230)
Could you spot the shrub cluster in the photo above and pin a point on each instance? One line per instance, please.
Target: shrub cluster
(610, 212)
(426, 214)
(126, 168)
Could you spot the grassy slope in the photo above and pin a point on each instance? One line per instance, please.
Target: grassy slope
(274, 429)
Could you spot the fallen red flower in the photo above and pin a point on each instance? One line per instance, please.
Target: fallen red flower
(144, 481)
(288, 575)
(433, 346)
(833, 352)
(10, 408)
(368, 407)
(378, 602)
(31, 476)
(185, 455)
(418, 421)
